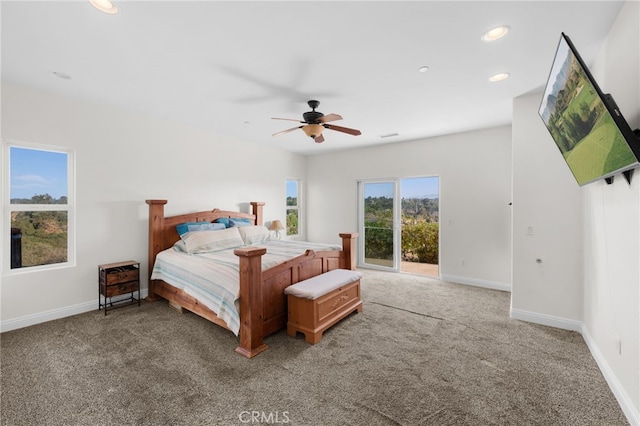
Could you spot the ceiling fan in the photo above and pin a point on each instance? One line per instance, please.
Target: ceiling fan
(314, 123)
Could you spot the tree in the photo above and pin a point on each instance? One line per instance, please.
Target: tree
(420, 236)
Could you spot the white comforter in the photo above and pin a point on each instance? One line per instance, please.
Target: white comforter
(213, 278)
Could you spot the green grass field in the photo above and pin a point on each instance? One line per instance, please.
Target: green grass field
(601, 152)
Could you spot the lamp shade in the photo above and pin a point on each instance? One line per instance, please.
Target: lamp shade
(313, 130)
(276, 225)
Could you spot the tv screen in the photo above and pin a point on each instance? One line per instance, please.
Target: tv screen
(593, 137)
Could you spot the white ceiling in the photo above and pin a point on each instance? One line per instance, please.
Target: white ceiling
(228, 67)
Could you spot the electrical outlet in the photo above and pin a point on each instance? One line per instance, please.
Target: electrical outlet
(462, 262)
(619, 346)
(529, 230)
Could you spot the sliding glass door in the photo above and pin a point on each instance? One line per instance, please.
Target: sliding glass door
(420, 228)
(378, 224)
(398, 222)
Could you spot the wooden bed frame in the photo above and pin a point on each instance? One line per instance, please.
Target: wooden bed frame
(263, 304)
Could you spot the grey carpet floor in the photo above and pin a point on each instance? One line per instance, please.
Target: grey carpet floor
(422, 352)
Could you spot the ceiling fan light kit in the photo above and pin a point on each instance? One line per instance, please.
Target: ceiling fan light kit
(315, 123)
(313, 130)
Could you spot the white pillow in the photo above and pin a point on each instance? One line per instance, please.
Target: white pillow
(254, 234)
(206, 241)
(180, 246)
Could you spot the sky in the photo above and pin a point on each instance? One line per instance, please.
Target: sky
(37, 172)
(561, 56)
(426, 187)
(292, 188)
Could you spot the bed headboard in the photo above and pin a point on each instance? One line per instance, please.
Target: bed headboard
(162, 230)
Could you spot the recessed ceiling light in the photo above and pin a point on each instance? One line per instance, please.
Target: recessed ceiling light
(105, 6)
(499, 77)
(423, 68)
(495, 33)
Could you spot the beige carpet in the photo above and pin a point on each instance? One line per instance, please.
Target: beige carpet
(422, 352)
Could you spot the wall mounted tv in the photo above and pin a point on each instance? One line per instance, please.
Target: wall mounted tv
(586, 124)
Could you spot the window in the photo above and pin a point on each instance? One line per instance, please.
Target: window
(293, 207)
(38, 205)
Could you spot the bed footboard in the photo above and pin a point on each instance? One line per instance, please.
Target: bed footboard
(263, 304)
(251, 301)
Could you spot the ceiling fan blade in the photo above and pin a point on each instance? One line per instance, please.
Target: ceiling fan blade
(287, 131)
(319, 138)
(330, 117)
(353, 132)
(288, 119)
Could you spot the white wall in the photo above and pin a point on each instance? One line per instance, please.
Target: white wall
(588, 238)
(475, 191)
(546, 200)
(123, 158)
(612, 227)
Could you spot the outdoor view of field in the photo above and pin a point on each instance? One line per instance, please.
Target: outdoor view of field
(38, 237)
(39, 207)
(582, 127)
(601, 152)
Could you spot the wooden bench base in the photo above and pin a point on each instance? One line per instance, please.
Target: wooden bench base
(313, 317)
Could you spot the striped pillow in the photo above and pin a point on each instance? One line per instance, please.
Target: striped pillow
(254, 234)
(207, 241)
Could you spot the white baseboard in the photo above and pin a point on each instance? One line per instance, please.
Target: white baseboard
(40, 317)
(549, 320)
(626, 403)
(493, 285)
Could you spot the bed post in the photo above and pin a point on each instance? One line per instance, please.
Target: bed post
(257, 211)
(348, 258)
(156, 226)
(251, 310)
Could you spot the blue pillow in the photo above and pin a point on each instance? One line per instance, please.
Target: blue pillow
(183, 228)
(223, 220)
(206, 227)
(240, 222)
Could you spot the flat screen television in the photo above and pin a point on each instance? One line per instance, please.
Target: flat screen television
(586, 124)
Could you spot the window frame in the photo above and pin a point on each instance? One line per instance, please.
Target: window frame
(7, 207)
(297, 207)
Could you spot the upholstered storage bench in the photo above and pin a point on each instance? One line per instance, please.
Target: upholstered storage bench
(319, 302)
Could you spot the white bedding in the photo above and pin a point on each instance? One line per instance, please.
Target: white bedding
(213, 278)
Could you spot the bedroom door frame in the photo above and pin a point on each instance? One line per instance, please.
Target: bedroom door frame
(391, 188)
